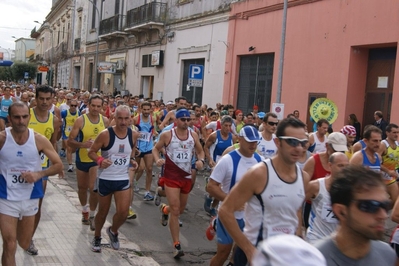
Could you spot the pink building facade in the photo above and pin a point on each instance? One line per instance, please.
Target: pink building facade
(344, 50)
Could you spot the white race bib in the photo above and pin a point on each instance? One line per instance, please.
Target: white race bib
(4, 109)
(144, 136)
(327, 215)
(120, 160)
(43, 158)
(14, 179)
(182, 156)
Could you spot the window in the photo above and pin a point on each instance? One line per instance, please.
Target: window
(146, 62)
(93, 15)
(117, 3)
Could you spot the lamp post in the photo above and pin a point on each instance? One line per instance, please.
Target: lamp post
(23, 41)
(51, 52)
(97, 43)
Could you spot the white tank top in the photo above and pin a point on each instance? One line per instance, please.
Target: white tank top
(15, 159)
(267, 148)
(281, 201)
(118, 151)
(180, 152)
(320, 145)
(322, 221)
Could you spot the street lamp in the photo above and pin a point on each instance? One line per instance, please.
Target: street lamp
(51, 53)
(23, 41)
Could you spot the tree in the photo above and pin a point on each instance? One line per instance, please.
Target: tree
(6, 73)
(18, 70)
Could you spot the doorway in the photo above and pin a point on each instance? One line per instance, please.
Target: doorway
(255, 82)
(193, 95)
(76, 77)
(147, 86)
(379, 84)
(311, 98)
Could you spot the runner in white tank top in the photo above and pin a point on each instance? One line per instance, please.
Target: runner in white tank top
(117, 155)
(272, 191)
(322, 221)
(316, 145)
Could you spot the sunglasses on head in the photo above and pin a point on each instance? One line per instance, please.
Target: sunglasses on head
(185, 119)
(372, 206)
(294, 142)
(73, 105)
(272, 123)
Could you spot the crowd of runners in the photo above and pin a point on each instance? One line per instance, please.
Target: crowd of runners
(268, 178)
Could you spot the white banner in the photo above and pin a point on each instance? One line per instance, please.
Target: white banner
(107, 67)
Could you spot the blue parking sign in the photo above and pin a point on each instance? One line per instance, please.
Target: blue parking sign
(195, 75)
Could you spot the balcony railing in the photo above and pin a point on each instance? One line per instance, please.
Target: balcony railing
(77, 44)
(34, 33)
(111, 24)
(151, 12)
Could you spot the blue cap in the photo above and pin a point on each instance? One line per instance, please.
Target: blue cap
(261, 115)
(182, 113)
(250, 134)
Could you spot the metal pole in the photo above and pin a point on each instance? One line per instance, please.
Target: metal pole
(51, 58)
(282, 47)
(195, 88)
(97, 43)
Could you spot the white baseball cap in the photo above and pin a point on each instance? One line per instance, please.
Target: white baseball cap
(283, 250)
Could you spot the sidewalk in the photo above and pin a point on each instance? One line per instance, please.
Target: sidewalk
(63, 240)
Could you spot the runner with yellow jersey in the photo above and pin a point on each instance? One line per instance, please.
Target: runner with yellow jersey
(69, 117)
(42, 121)
(389, 152)
(86, 128)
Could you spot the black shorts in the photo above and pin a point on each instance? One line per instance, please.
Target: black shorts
(106, 187)
(142, 154)
(85, 167)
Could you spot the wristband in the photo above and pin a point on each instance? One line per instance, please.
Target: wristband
(99, 160)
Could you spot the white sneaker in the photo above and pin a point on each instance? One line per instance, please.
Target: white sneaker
(70, 168)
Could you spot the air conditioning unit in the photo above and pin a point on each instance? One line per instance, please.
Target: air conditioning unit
(120, 65)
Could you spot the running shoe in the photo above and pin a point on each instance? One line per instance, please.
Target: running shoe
(180, 223)
(164, 217)
(85, 218)
(213, 212)
(178, 252)
(32, 250)
(62, 153)
(132, 214)
(207, 203)
(148, 196)
(157, 197)
(70, 168)
(136, 186)
(211, 230)
(96, 244)
(92, 224)
(113, 238)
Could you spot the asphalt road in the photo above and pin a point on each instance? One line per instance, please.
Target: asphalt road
(153, 239)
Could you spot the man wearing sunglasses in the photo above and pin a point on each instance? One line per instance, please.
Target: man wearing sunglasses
(179, 144)
(359, 201)
(272, 191)
(267, 147)
(322, 221)
(226, 174)
(69, 117)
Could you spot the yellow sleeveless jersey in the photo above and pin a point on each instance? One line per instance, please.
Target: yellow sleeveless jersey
(391, 159)
(44, 128)
(69, 120)
(88, 132)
